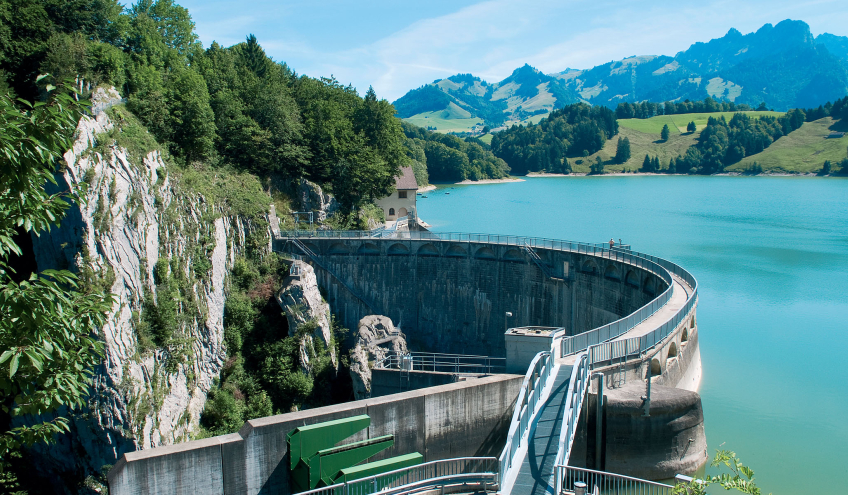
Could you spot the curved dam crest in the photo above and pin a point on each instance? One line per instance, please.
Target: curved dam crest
(452, 296)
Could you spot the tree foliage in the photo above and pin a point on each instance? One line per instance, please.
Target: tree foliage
(739, 478)
(838, 110)
(622, 150)
(647, 109)
(724, 143)
(569, 131)
(449, 158)
(233, 107)
(47, 322)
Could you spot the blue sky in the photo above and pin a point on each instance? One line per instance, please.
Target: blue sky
(398, 45)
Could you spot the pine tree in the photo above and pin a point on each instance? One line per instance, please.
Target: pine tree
(622, 150)
(254, 56)
(691, 127)
(655, 164)
(598, 166)
(664, 133)
(646, 164)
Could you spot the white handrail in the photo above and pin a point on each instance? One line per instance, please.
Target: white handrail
(573, 404)
(526, 405)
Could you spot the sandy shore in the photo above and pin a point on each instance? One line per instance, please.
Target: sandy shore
(723, 174)
(426, 188)
(488, 181)
(545, 174)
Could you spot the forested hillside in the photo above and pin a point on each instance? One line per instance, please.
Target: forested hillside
(449, 158)
(580, 138)
(225, 106)
(576, 130)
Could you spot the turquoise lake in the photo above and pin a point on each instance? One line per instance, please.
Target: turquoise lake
(771, 257)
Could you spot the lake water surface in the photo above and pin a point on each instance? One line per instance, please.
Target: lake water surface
(771, 258)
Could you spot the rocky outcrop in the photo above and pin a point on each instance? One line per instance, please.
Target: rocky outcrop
(302, 303)
(132, 215)
(313, 198)
(376, 337)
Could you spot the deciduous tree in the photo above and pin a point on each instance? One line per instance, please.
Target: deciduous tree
(48, 326)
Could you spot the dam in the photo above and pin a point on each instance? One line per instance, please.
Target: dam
(567, 316)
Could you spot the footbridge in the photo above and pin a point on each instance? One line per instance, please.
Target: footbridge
(537, 451)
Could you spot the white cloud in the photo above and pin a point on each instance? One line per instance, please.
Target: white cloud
(492, 38)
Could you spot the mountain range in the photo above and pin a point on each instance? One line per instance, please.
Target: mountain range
(783, 65)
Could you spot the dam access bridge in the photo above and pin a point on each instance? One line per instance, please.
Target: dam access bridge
(576, 316)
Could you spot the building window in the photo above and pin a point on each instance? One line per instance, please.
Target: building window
(402, 194)
(391, 212)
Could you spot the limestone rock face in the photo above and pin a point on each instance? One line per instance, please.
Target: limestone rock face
(376, 336)
(301, 300)
(140, 398)
(313, 198)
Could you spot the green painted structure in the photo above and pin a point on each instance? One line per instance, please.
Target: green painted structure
(315, 460)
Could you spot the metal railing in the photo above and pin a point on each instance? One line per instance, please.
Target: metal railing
(435, 473)
(443, 363)
(297, 265)
(526, 406)
(606, 482)
(573, 404)
(314, 257)
(623, 350)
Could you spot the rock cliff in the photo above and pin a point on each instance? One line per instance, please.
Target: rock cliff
(302, 303)
(376, 337)
(163, 247)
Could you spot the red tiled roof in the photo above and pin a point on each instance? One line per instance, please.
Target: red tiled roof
(406, 179)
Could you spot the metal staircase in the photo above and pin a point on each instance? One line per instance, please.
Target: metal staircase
(540, 263)
(315, 259)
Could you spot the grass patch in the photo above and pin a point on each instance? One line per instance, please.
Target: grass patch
(677, 123)
(437, 119)
(486, 138)
(641, 143)
(803, 150)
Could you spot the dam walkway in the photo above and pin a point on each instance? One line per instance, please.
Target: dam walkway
(669, 310)
(537, 469)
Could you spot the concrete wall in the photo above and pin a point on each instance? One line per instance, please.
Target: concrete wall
(390, 381)
(462, 419)
(452, 296)
(675, 362)
(191, 467)
(658, 446)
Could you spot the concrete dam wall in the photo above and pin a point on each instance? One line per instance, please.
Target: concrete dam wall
(458, 420)
(453, 296)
